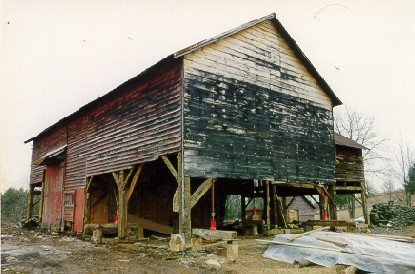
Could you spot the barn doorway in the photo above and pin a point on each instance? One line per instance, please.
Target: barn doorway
(102, 200)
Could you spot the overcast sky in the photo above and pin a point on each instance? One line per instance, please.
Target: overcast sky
(58, 55)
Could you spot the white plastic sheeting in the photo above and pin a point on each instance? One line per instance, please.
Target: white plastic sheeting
(369, 253)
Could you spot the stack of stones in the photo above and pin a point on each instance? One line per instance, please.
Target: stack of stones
(396, 215)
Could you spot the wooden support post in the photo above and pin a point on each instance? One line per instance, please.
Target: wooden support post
(267, 203)
(323, 200)
(122, 181)
(122, 213)
(188, 210)
(30, 203)
(87, 203)
(243, 208)
(284, 205)
(274, 205)
(281, 214)
(42, 193)
(364, 203)
(177, 199)
(332, 202)
(184, 193)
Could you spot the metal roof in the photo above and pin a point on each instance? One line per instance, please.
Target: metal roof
(307, 63)
(347, 142)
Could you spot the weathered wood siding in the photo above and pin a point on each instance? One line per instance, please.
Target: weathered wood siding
(138, 126)
(55, 139)
(305, 210)
(138, 123)
(349, 164)
(252, 110)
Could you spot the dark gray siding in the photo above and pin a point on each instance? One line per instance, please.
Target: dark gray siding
(253, 111)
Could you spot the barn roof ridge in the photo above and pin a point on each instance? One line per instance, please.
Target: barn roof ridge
(292, 43)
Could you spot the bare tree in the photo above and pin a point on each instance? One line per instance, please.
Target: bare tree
(370, 189)
(362, 129)
(388, 187)
(406, 161)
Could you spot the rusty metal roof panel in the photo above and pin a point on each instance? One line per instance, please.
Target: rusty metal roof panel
(347, 142)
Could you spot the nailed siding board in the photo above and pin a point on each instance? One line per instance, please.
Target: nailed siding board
(252, 110)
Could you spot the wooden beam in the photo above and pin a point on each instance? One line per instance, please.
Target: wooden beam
(150, 225)
(295, 185)
(331, 192)
(274, 205)
(169, 166)
(187, 208)
(284, 223)
(134, 182)
(42, 193)
(354, 197)
(130, 173)
(291, 201)
(243, 208)
(349, 188)
(330, 223)
(87, 203)
(200, 191)
(331, 241)
(364, 203)
(292, 238)
(267, 203)
(122, 180)
(88, 183)
(249, 201)
(30, 203)
(179, 193)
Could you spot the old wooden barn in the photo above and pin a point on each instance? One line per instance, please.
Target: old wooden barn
(240, 111)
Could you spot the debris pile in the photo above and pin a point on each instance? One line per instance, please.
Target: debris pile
(389, 213)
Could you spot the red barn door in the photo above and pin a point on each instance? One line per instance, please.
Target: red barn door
(79, 210)
(52, 200)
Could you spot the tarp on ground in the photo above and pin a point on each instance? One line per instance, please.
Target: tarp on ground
(369, 253)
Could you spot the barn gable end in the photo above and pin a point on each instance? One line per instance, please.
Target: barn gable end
(254, 111)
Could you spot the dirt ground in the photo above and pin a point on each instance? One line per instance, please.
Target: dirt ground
(30, 251)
